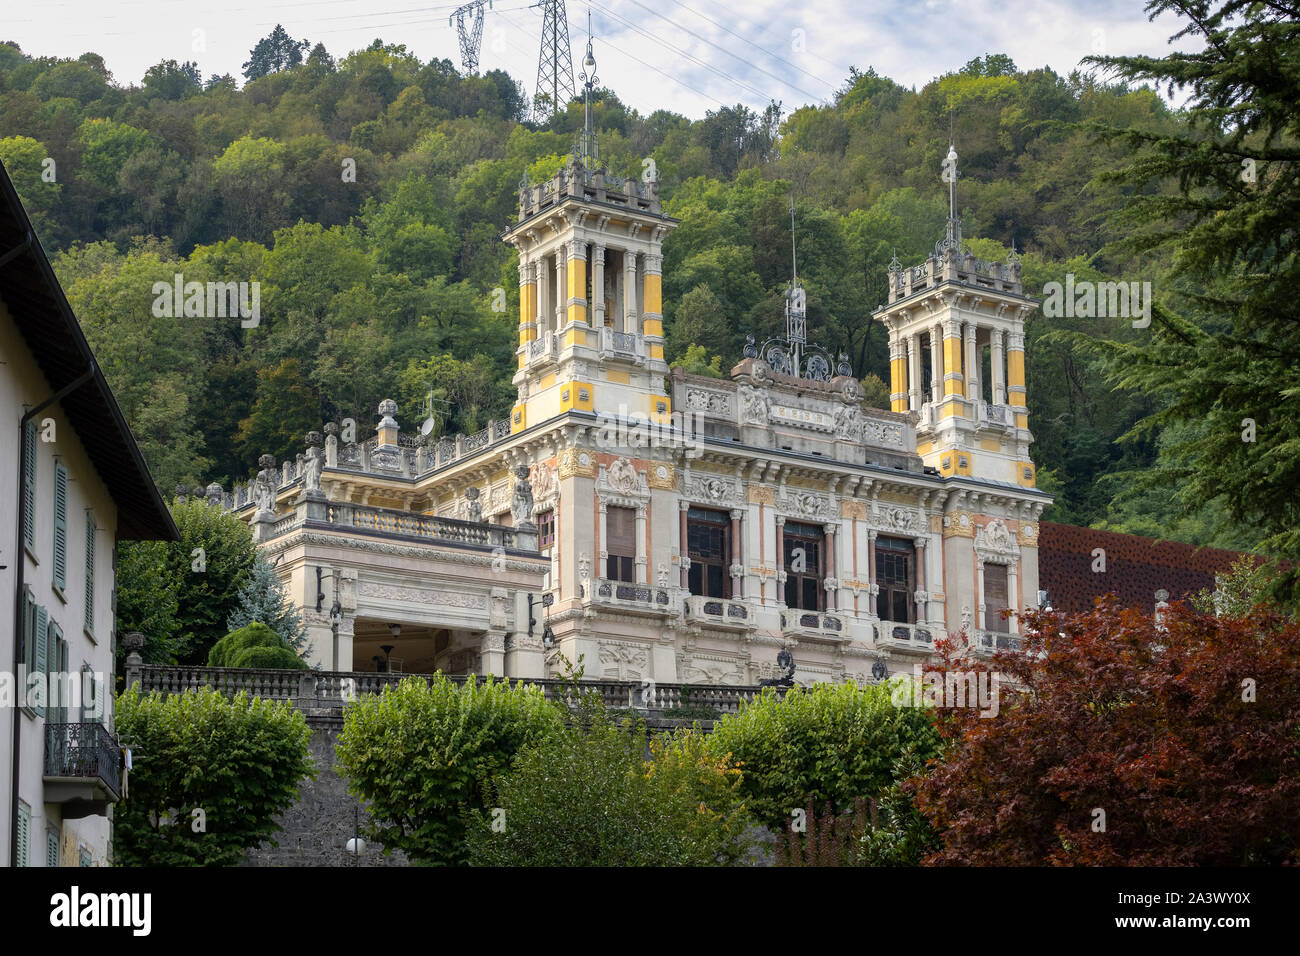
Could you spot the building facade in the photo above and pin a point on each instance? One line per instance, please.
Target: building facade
(75, 485)
(666, 527)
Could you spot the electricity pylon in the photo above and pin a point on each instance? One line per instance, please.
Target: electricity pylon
(471, 37)
(555, 85)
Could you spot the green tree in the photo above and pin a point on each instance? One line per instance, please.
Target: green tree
(250, 177)
(1224, 345)
(210, 774)
(587, 797)
(275, 52)
(205, 570)
(821, 743)
(286, 409)
(262, 600)
(422, 753)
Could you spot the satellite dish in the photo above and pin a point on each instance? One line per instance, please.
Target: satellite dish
(427, 426)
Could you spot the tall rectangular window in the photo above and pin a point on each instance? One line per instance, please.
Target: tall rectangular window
(708, 545)
(803, 566)
(895, 574)
(29, 486)
(60, 526)
(995, 598)
(620, 543)
(546, 530)
(90, 574)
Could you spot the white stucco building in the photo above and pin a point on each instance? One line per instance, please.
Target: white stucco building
(72, 486)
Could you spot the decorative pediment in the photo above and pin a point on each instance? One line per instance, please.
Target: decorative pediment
(715, 489)
(621, 482)
(993, 540)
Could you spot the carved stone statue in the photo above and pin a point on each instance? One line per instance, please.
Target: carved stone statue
(312, 465)
(753, 406)
(264, 485)
(522, 506)
(473, 507)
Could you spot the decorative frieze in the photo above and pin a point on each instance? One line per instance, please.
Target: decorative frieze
(711, 401)
(662, 476)
(576, 462)
(958, 524)
(429, 596)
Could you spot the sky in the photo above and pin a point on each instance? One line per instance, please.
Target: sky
(689, 56)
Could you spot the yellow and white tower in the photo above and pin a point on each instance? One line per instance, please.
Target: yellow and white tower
(591, 334)
(957, 358)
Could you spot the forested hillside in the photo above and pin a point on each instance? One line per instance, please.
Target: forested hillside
(383, 286)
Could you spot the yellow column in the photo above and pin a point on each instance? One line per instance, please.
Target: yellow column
(952, 377)
(897, 373)
(527, 308)
(1016, 393)
(576, 293)
(652, 321)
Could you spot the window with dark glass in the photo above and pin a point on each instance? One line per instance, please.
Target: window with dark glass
(995, 598)
(545, 530)
(620, 543)
(708, 545)
(895, 574)
(803, 566)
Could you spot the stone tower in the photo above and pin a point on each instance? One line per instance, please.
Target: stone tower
(957, 359)
(590, 296)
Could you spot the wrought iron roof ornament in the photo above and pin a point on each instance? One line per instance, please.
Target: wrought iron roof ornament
(787, 355)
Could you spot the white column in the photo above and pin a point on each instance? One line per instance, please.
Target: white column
(642, 566)
(999, 369)
(1013, 598)
(603, 540)
(979, 595)
(598, 286)
(543, 320)
(561, 285)
(922, 581)
(936, 364)
(914, 371)
(629, 292)
(972, 366)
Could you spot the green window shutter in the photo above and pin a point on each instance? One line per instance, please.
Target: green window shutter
(41, 639)
(90, 573)
(83, 857)
(29, 631)
(60, 526)
(24, 833)
(29, 487)
(51, 847)
(57, 709)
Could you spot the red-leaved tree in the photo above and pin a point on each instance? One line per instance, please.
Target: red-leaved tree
(1128, 742)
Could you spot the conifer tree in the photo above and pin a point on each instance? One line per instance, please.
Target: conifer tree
(262, 600)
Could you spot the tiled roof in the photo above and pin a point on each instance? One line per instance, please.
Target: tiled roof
(1136, 567)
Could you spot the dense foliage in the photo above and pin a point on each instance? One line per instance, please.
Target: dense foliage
(254, 645)
(383, 284)
(181, 594)
(587, 796)
(1132, 742)
(1222, 362)
(209, 776)
(821, 743)
(422, 754)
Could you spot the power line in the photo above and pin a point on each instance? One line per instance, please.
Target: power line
(554, 61)
(703, 39)
(689, 56)
(744, 39)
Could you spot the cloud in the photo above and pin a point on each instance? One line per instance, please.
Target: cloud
(687, 56)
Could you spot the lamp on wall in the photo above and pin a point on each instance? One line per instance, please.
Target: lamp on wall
(548, 636)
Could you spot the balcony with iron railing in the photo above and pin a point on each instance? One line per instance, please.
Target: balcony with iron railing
(83, 768)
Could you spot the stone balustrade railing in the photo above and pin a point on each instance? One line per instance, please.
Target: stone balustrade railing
(323, 687)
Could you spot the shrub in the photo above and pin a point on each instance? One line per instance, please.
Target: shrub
(254, 645)
(238, 761)
(822, 743)
(422, 754)
(588, 797)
